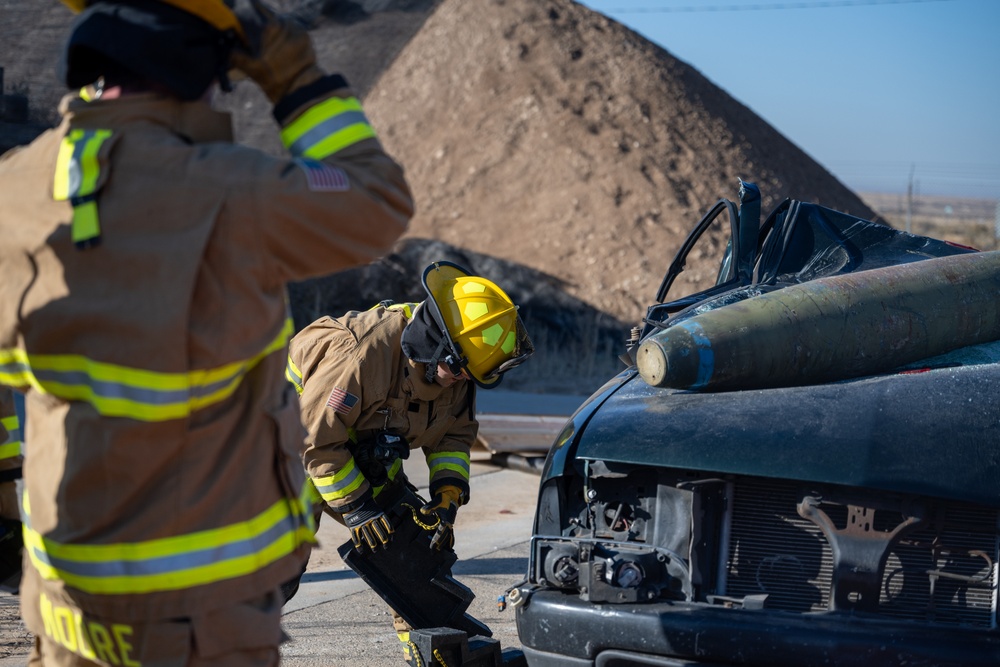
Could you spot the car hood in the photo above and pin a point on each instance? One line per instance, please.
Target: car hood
(933, 430)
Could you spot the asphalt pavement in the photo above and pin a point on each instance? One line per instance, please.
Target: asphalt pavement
(336, 620)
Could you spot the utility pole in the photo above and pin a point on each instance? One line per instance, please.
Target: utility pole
(909, 201)
(996, 229)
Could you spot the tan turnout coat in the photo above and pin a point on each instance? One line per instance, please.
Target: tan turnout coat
(355, 382)
(164, 478)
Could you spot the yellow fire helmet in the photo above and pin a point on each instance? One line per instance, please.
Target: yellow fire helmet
(487, 337)
(217, 13)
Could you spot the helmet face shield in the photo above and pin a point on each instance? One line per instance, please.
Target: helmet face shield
(480, 323)
(522, 351)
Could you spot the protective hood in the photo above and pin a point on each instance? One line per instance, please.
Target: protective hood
(149, 40)
(423, 340)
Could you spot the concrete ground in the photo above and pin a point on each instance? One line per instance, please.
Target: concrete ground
(336, 620)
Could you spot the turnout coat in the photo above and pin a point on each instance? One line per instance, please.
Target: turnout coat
(143, 308)
(355, 382)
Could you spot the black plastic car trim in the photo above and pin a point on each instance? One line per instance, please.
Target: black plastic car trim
(558, 623)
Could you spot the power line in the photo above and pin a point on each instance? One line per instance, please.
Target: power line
(823, 4)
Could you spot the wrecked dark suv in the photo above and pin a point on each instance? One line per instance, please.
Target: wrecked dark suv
(803, 511)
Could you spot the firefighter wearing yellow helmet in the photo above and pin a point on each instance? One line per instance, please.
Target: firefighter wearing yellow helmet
(144, 317)
(378, 383)
(483, 333)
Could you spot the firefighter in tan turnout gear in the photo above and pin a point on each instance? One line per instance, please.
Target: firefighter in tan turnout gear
(375, 384)
(143, 311)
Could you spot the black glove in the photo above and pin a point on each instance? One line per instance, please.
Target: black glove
(373, 470)
(369, 526)
(374, 458)
(444, 505)
(388, 447)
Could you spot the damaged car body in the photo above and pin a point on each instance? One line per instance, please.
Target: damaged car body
(786, 520)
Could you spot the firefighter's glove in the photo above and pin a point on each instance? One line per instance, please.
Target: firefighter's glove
(370, 467)
(389, 447)
(369, 526)
(444, 505)
(280, 55)
(374, 457)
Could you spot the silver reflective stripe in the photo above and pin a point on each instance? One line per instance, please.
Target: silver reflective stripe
(452, 462)
(121, 391)
(167, 564)
(337, 488)
(117, 390)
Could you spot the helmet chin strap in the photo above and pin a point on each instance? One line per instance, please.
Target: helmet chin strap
(431, 373)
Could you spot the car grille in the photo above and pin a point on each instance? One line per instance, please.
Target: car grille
(943, 573)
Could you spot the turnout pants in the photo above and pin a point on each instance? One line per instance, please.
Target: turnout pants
(246, 634)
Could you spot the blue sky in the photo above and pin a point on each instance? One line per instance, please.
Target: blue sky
(871, 89)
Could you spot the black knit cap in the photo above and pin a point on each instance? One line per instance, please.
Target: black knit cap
(145, 40)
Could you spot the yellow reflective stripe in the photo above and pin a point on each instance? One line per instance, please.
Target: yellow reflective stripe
(10, 449)
(340, 484)
(294, 375)
(60, 186)
(441, 462)
(176, 562)
(327, 127)
(85, 224)
(120, 391)
(407, 308)
(314, 495)
(307, 498)
(90, 168)
(77, 173)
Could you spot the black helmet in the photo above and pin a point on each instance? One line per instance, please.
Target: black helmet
(150, 40)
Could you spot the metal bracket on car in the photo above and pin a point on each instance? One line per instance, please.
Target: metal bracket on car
(859, 550)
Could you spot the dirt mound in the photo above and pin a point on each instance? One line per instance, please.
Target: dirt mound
(542, 132)
(542, 140)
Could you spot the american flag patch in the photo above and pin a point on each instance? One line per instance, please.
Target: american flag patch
(341, 401)
(324, 178)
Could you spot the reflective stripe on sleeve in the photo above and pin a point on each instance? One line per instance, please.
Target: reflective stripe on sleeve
(328, 127)
(120, 391)
(443, 463)
(294, 375)
(172, 563)
(334, 488)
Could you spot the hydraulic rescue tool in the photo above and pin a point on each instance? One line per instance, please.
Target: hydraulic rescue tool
(415, 580)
